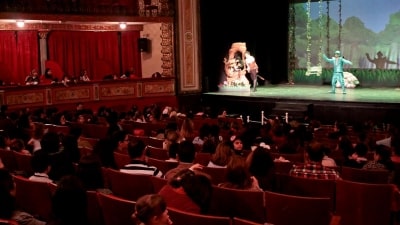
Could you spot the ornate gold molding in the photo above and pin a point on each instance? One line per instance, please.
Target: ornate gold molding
(167, 49)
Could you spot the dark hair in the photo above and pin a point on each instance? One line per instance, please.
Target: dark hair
(315, 151)
(198, 187)
(148, 206)
(237, 173)
(384, 153)
(136, 148)
(8, 204)
(186, 151)
(172, 150)
(260, 162)
(50, 142)
(89, 172)
(118, 136)
(40, 161)
(69, 201)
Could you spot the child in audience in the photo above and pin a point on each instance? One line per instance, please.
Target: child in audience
(8, 207)
(151, 210)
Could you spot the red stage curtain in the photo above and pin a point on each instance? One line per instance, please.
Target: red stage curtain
(18, 55)
(97, 52)
(131, 56)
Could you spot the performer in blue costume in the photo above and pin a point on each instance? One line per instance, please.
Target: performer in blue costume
(338, 62)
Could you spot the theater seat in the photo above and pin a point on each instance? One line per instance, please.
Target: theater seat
(179, 217)
(116, 210)
(284, 209)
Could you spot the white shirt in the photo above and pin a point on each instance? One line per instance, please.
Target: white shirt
(40, 177)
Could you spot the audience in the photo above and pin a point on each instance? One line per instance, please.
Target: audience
(222, 155)
(32, 78)
(188, 191)
(8, 206)
(151, 209)
(186, 155)
(138, 164)
(238, 175)
(313, 167)
(41, 167)
(90, 173)
(57, 159)
(261, 166)
(69, 202)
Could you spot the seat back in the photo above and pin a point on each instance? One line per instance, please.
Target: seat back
(33, 197)
(307, 187)
(244, 204)
(365, 176)
(121, 159)
(116, 210)
(161, 164)
(240, 221)
(155, 142)
(24, 163)
(283, 167)
(179, 217)
(8, 159)
(158, 183)
(282, 209)
(94, 213)
(294, 157)
(218, 175)
(396, 177)
(363, 203)
(89, 141)
(94, 130)
(202, 158)
(128, 186)
(8, 222)
(157, 153)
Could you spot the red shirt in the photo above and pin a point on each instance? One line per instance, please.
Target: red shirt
(177, 198)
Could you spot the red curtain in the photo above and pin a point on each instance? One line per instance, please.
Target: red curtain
(131, 56)
(19, 54)
(98, 52)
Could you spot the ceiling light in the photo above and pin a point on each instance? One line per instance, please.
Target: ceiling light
(20, 24)
(122, 25)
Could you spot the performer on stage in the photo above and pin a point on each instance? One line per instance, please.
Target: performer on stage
(252, 68)
(338, 62)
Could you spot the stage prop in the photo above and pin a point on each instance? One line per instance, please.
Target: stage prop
(234, 70)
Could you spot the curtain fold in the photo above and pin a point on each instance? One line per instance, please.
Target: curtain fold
(131, 56)
(98, 52)
(19, 54)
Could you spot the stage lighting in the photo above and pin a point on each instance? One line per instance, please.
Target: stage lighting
(122, 26)
(20, 23)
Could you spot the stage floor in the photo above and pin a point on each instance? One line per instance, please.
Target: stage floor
(320, 93)
(357, 104)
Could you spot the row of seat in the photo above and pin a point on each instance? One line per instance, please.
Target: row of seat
(355, 204)
(252, 205)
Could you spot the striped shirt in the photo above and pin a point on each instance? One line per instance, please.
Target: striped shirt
(314, 170)
(141, 167)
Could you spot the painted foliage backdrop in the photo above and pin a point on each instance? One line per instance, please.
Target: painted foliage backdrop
(360, 27)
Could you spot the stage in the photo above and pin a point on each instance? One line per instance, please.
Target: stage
(359, 104)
